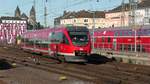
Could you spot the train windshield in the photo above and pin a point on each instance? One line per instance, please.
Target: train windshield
(79, 38)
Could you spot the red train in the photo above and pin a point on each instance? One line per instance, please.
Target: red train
(70, 44)
(123, 39)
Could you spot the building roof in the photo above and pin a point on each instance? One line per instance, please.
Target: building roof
(141, 4)
(144, 4)
(83, 14)
(10, 18)
(24, 16)
(119, 8)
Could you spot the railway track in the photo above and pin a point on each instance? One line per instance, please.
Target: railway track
(109, 73)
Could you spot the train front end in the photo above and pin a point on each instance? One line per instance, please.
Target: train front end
(80, 44)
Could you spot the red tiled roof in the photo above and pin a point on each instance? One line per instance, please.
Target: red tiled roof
(84, 14)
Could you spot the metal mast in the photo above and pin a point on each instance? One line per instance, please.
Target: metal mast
(133, 8)
(132, 19)
(123, 14)
(45, 14)
(34, 3)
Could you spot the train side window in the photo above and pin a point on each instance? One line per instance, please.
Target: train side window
(52, 37)
(59, 36)
(103, 40)
(133, 47)
(129, 47)
(138, 48)
(109, 39)
(122, 47)
(95, 39)
(116, 33)
(125, 47)
(143, 49)
(121, 33)
(130, 33)
(56, 37)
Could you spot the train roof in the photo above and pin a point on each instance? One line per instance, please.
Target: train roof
(46, 31)
(122, 28)
(77, 28)
(143, 30)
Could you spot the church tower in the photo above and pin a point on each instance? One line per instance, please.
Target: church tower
(32, 17)
(17, 12)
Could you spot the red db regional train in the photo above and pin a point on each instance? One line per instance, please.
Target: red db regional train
(71, 44)
(123, 39)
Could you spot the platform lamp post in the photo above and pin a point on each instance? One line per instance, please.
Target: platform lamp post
(135, 40)
(93, 29)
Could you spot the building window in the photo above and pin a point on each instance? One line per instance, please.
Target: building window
(85, 20)
(7, 21)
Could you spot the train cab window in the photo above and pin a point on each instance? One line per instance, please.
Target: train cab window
(79, 37)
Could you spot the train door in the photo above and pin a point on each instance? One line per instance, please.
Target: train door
(115, 44)
(49, 49)
(65, 45)
(52, 46)
(63, 49)
(49, 44)
(56, 43)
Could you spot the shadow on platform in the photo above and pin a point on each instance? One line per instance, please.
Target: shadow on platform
(4, 65)
(98, 59)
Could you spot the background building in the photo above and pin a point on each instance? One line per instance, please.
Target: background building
(82, 18)
(117, 17)
(10, 28)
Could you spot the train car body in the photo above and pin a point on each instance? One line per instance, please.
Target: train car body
(66, 43)
(123, 39)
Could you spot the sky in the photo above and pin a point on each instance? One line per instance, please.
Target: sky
(55, 8)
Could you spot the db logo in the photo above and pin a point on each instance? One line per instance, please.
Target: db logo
(81, 49)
